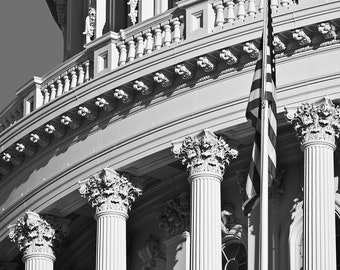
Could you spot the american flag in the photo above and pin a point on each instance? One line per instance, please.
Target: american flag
(253, 114)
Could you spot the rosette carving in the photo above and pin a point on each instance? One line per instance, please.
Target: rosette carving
(316, 122)
(33, 234)
(174, 216)
(108, 190)
(205, 153)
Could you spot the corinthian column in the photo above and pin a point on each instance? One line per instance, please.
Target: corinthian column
(205, 157)
(111, 195)
(35, 237)
(317, 126)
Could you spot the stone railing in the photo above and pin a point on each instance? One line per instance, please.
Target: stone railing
(66, 78)
(151, 35)
(228, 11)
(189, 20)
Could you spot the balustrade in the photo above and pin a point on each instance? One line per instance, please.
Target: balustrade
(146, 38)
(69, 79)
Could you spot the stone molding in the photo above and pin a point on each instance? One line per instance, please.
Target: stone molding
(204, 154)
(34, 235)
(174, 216)
(109, 191)
(318, 122)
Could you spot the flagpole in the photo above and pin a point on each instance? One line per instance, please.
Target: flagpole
(263, 254)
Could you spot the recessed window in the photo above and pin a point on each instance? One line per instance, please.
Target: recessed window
(29, 105)
(197, 20)
(102, 61)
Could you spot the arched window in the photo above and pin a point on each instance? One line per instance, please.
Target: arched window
(234, 251)
(234, 257)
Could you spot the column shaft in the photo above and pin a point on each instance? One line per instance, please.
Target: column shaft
(319, 207)
(38, 261)
(111, 241)
(206, 239)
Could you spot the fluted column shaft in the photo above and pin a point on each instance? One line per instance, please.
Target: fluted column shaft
(38, 261)
(318, 126)
(206, 241)
(205, 157)
(112, 195)
(319, 206)
(111, 240)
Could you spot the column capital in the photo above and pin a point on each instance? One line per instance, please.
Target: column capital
(318, 122)
(204, 154)
(109, 191)
(34, 235)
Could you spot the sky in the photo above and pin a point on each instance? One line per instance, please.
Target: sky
(31, 44)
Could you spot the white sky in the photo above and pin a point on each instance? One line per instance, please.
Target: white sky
(30, 44)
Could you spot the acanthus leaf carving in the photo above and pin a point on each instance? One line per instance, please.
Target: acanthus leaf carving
(107, 190)
(204, 153)
(32, 233)
(316, 122)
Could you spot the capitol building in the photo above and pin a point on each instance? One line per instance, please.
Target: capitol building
(133, 153)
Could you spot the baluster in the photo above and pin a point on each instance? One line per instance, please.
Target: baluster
(81, 75)
(59, 87)
(53, 91)
(241, 13)
(230, 12)
(46, 95)
(167, 35)
(252, 8)
(219, 14)
(274, 4)
(140, 46)
(149, 41)
(73, 78)
(132, 50)
(66, 83)
(158, 39)
(285, 3)
(123, 55)
(87, 71)
(261, 6)
(177, 30)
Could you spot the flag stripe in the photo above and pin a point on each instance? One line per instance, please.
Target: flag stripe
(253, 114)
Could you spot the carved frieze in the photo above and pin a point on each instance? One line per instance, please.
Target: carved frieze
(278, 44)
(205, 63)
(228, 56)
(174, 216)
(122, 95)
(183, 71)
(86, 112)
(251, 49)
(32, 233)
(107, 190)
(162, 79)
(327, 29)
(73, 122)
(204, 154)
(301, 37)
(104, 104)
(316, 122)
(142, 87)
